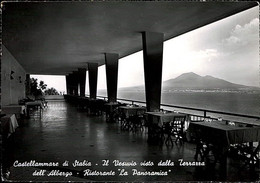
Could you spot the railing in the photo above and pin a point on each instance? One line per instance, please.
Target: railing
(198, 117)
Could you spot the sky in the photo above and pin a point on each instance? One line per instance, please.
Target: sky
(227, 49)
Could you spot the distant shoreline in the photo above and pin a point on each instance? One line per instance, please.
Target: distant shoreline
(198, 91)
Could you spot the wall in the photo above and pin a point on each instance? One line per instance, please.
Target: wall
(12, 90)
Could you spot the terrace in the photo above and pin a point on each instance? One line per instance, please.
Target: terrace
(67, 133)
(71, 38)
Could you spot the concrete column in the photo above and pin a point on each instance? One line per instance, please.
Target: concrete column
(82, 80)
(153, 56)
(68, 84)
(112, 74)
(27, 85)
(93, 74)
(75, 83)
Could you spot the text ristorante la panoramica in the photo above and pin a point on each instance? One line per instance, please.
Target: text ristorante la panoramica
(92, 168)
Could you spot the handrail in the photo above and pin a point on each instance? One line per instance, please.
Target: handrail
(190, 108)
(212, 111)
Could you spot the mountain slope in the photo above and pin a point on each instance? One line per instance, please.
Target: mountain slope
(194, 81)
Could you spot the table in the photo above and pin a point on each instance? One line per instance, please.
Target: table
(131, 117)
(34, 104)
(9, 124)
(83, 102)
(225, 135)
(110, 110)
(96, 106)
(160, 117)
(132, 110)
(14, 109)
(222, 136)
(111, 106)
(171, 124)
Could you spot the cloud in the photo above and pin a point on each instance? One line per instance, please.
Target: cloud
(247, 29)
(243, 35)
(207, 53)
(232, 40)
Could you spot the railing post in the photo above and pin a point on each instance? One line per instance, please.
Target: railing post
(205, 114)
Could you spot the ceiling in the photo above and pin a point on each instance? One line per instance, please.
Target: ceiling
(57, 38)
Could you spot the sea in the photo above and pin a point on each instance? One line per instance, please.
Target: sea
(245, 103)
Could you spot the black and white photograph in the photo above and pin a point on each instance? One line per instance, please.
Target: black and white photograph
(130, 91)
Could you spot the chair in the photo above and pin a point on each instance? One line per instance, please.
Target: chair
(167, 130)
(177, 126)
(136, 123)
(145, 123)
(112, 113)
(34, 109)
(248, 152)
(100, 106)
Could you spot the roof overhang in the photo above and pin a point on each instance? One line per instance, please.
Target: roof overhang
(58, 37)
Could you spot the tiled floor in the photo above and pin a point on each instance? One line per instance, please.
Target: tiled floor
(66, 134)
